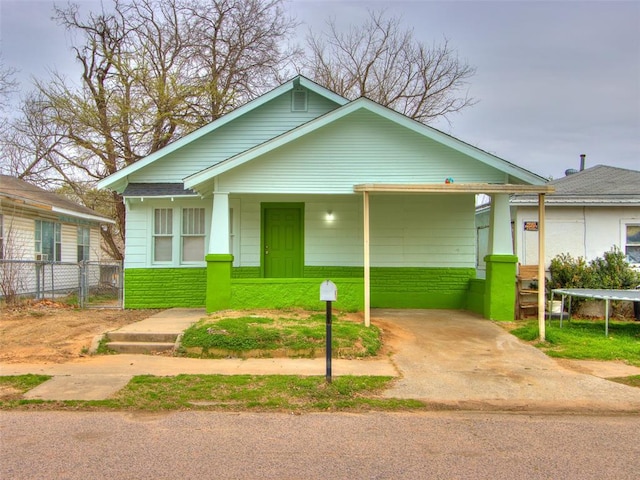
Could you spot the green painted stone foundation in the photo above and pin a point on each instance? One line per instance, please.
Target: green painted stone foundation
(218, 282)
(165, 287)
(500, 287)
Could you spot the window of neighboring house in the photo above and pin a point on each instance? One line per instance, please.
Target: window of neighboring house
(48, 237)
(192, 234)
(83, 244)
(162, 235)
(632, 244)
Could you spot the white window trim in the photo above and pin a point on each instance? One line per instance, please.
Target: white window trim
(624, 222)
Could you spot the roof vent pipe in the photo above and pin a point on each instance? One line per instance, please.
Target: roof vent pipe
(582, 160)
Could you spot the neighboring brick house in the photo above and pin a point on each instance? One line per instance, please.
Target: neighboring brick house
(257, 208)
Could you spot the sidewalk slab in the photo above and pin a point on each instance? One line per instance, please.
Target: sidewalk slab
(78, 387)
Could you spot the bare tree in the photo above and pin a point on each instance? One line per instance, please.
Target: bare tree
(151, 71)
(383, 61)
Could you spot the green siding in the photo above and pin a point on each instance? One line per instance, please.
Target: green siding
(245, 272)
(164, 287)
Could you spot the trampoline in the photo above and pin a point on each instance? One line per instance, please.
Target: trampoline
(596, 294)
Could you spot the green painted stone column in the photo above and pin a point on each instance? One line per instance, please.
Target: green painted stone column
(500, 287)
(218, 281)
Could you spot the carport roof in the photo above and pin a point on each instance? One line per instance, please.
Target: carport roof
(486, 188)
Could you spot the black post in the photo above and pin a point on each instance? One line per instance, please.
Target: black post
(328, 375)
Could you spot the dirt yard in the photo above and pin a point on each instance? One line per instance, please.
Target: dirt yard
(50, 332)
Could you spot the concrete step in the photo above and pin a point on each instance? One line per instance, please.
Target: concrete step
(140, 347)
(148, 337)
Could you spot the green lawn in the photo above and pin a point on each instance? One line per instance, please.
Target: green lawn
(226, 393)
(585, 339)
(290, 337)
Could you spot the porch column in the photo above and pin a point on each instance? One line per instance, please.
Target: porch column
(541, 268)
(500, 289)
(367, 262)
(218, 258)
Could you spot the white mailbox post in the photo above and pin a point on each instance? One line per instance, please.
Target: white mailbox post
(328, 293)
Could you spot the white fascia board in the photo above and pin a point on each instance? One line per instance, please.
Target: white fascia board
(85, 216)
(320, 90)
(364, 103)
(111, 182)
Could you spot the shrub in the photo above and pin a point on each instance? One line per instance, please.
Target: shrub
(610, 271)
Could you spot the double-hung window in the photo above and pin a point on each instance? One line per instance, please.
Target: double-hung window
(163, 235)
(192, 235)
(632, 244)
(48, 241)
(84, 237)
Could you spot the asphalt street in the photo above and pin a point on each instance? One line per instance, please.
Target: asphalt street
(433, 445)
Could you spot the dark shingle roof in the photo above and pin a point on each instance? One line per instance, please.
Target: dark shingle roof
(596, 185)
(157, 190)
(18, 190)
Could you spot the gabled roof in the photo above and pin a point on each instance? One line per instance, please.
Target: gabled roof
(202, 179)
(599, 185)
(118, 180)
(21, 192)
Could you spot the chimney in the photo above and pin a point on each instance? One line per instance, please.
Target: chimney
(582, 159)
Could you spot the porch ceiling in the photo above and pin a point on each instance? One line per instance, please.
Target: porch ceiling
(487, 188)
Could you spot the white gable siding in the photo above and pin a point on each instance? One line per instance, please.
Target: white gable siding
(359, 148)
(254, 128)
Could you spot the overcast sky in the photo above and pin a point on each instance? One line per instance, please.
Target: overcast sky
(554, 79)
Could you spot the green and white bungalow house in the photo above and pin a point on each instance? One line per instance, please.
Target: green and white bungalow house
(259, 207)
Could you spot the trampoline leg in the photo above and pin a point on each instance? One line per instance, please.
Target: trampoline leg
(606, 317)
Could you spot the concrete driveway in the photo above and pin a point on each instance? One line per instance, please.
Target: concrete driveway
(460, 360)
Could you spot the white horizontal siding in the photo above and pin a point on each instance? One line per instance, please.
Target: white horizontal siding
(406, 230)
(139, 238)
(254, 128)
(69, 247)
(586, 232)
(18, 237)
(360, 148)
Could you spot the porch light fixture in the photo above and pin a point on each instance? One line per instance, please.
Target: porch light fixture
(329, 216)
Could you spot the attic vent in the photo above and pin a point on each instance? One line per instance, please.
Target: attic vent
(299, 101)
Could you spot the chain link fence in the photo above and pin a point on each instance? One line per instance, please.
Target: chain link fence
(87, 284)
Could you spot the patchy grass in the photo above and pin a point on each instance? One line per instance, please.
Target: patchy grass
(585, 339)
(13, 387)
(289, 337)
(242, 393)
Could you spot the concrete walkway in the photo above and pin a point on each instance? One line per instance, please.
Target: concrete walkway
(446, 358)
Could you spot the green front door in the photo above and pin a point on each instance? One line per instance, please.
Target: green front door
(282, 246)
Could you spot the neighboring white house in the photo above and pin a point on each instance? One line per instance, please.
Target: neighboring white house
(36, 224)
(591, 211)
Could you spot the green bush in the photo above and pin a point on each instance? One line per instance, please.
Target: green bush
(610, 271)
